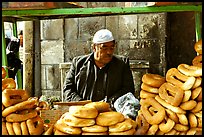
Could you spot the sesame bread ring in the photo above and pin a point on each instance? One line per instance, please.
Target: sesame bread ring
(171, 132)
(9, 127)
(198, 46)
(158, 116)
(100, 106)
(17, 128)
(65, 128)
(57, 132)
(24, 128)
(182, 119)
(21, 115)
(189, 70)
(180, 127)
(142, 125)
(73, 121)
(127, 132)
(94, 129)
(145, 94)
(127, 124)
(149, 88)
(8, 83)
(35, 125)
(191, 131)
(83, 111)
(166, 125)
(30, 103)
(49, 131)
(152, 130)
(171, 94)
(197, 83)
(198, 107)
(94, 133)
(153, 80)
(4, 129)
(199, 119)
(199, 98)
(197, 61)
(188, 105)
(199, 114)
(4, 73)
(178, 79)
(187, 95)
(169, 106)
(109, 118)
(172, 115)
(14, 96)
(192, 120)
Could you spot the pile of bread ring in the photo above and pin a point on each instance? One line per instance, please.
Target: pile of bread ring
(19, 111)
(172, 105)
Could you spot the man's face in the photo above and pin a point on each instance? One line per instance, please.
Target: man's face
(103, 52)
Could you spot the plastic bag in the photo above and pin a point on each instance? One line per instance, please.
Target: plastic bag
(128, 105)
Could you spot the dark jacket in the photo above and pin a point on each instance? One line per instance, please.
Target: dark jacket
(83, 83)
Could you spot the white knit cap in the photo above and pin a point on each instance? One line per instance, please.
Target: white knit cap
(102, 36)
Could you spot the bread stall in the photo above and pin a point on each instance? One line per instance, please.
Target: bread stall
(160, 113)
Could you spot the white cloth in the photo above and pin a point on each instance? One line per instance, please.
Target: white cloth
(103, 36)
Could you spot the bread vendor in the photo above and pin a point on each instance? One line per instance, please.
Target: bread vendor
(100, 75)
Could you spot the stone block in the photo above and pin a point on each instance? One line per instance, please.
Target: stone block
(71, 29)
(43, 77)
(112, 25)
(52, 52)
(52, 29)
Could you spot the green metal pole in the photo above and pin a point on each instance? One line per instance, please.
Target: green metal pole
(4, 57)
(198, 25)
(19, 77)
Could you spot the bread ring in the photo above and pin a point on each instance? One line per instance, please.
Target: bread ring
(197, 61)
(24, 128)
(127, 132)
(152, 119)
(171, 132)
(199, 131)
(63, 127)
(188, 105)
(2, 107)
(199, 114)
(197, 108)
(187, 95)
(14, 96)
(4, 129)
(198, 46)
(35, 125)
(8, 83)
(73, 121)
(94, 133)
(149, 88)
(196, 92)
(182, 119)
(180, 127)
(142, 125)
(192, 120)
(145, 94)
(9, 127)
(4, 73)
(197, 82)
(94, 129)
(171, 94)
(191, 71)
(49, 131)
(178, 79)
(43, 105)
(199, 119)
(83, 111)
(17, 128)
(199, 98)
(191, 131)
(100, 106)
(169, 106)
(109, 118)
(57, 132)
(152, 130)
(166, 125)
(159, 132)
(20, 106)
(172, 115)
(127, 124)
(153, 80)
(21, 115)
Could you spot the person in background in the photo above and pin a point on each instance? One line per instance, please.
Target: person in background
(100, 75)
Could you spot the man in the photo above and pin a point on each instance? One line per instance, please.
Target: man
(100, 75)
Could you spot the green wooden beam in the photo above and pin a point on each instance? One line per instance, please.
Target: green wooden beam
(198, 26)
(76, 12)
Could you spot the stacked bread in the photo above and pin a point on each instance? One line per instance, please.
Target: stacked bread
(94, 118)
(19, 114)
(172, 105)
